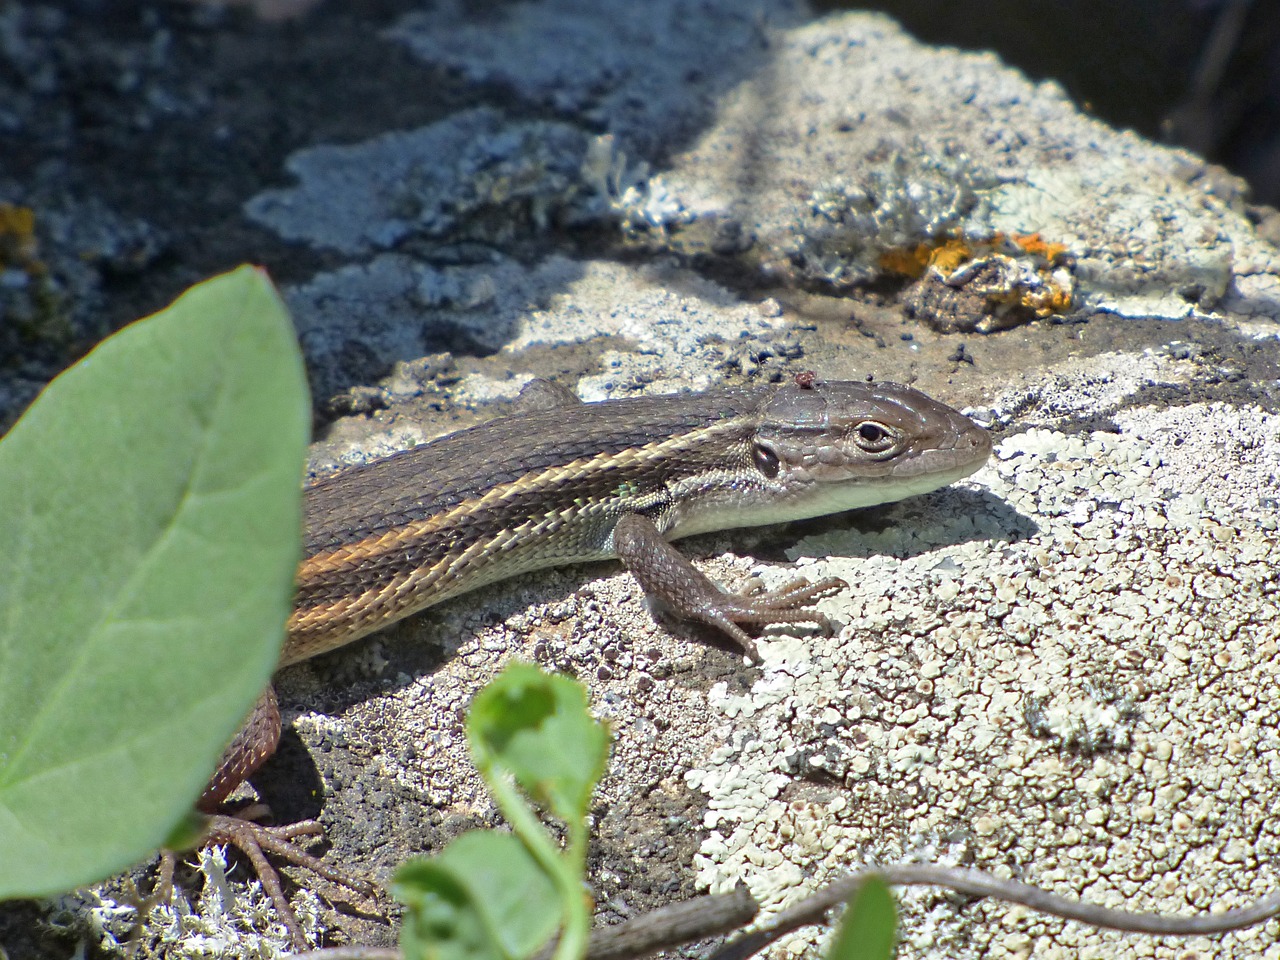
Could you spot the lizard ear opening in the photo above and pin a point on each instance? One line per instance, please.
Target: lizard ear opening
(765, 459)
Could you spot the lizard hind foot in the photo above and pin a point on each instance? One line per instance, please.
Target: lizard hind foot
(256, 840)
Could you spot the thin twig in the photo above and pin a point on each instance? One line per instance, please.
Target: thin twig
(707, 916)
(670, 926)
(813, 909)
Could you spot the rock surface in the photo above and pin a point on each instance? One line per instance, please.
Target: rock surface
(1061, 670)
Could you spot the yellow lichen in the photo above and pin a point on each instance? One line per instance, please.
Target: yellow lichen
(1052, 298)
(949, 255)
(906, 263)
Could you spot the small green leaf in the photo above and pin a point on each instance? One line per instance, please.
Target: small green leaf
(483, 898)
(536, 727)
(149, 516)
(868, 930)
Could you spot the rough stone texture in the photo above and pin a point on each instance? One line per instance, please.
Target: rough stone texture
(640, 71)
(474, 174)
(1060, 671)
(1057, 671)
(659, 327)
(854, 142)
(857, 140)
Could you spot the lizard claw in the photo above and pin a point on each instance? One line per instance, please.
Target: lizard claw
(256, 840)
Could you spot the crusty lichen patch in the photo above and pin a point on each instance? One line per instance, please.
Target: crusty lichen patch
(994, 284)
(1063, 671)
(226, 919)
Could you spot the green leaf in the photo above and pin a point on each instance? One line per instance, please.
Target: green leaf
(536, 727)
(188, 834)
(149, 516)
(483, 898)
(868, 930)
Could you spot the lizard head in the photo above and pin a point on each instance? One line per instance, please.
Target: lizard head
(846, 444)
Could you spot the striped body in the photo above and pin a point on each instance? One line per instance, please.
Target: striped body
(542, 489)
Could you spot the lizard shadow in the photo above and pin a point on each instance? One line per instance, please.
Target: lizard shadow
(290, 783)
(905, 529)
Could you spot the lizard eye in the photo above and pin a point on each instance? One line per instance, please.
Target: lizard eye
(872, 437)
(766, 460)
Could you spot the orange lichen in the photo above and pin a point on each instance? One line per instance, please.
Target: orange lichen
(949, 254)
(945, 255)
(1024, 278)
(1037, 246)
(1052, 299)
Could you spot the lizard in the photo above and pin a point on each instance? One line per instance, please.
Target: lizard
(561, 482)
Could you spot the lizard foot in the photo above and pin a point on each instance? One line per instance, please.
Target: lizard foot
(256, 840)
(790, 603)
(667, 575)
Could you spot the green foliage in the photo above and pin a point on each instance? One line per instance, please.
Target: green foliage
(868, 930)
(496, 896)
(483, 898)
(536, 727)
(150, 520)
